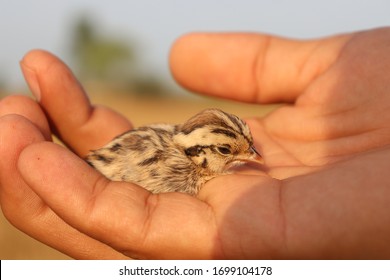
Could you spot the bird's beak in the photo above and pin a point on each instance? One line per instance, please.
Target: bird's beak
(253, 159)
(256, 156)
(253, 150)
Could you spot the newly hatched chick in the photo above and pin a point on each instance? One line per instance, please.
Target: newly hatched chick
(177, 158)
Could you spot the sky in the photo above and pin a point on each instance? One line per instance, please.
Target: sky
(154, 25)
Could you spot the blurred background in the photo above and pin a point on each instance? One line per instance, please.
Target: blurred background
(119, 50)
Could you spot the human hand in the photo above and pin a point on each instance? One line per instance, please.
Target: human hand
(329, 146)
(338, 208)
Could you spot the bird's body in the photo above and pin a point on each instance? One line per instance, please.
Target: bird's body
(177, 158)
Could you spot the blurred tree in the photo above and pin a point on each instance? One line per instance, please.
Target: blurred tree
(2, 86)
(99, 57)
(112, 61)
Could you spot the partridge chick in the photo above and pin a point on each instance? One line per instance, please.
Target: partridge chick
(177, 158)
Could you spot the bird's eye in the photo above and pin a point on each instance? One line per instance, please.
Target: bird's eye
(224, 150)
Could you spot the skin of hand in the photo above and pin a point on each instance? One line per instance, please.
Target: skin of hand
(325, 192)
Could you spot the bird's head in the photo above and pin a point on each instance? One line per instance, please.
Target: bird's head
(216, 141)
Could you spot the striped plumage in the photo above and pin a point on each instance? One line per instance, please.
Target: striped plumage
(177, 158)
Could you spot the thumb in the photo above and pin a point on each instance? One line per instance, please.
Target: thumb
(251, 67)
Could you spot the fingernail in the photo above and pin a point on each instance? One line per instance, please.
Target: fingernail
(32, 80)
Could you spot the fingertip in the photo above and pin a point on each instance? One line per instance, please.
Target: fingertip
(16, 133)
(33, 64)
(183, 42)
(27, 108)
(54, 172)
(181, 54)
(50, 78)
(16, 129)
(48, 156)
(218, 64)
(32, 162)
(74, 120)
(38, 59)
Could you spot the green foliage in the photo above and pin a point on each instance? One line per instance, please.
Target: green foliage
(110, 60)
(2, 87)
(99, 57)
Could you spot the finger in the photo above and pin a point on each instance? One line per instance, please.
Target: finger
(24, 209)
(123, 215)
(81, 126)
(26, 107)
(251, 67)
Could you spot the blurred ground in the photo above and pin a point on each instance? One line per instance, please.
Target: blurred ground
(140, 110)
